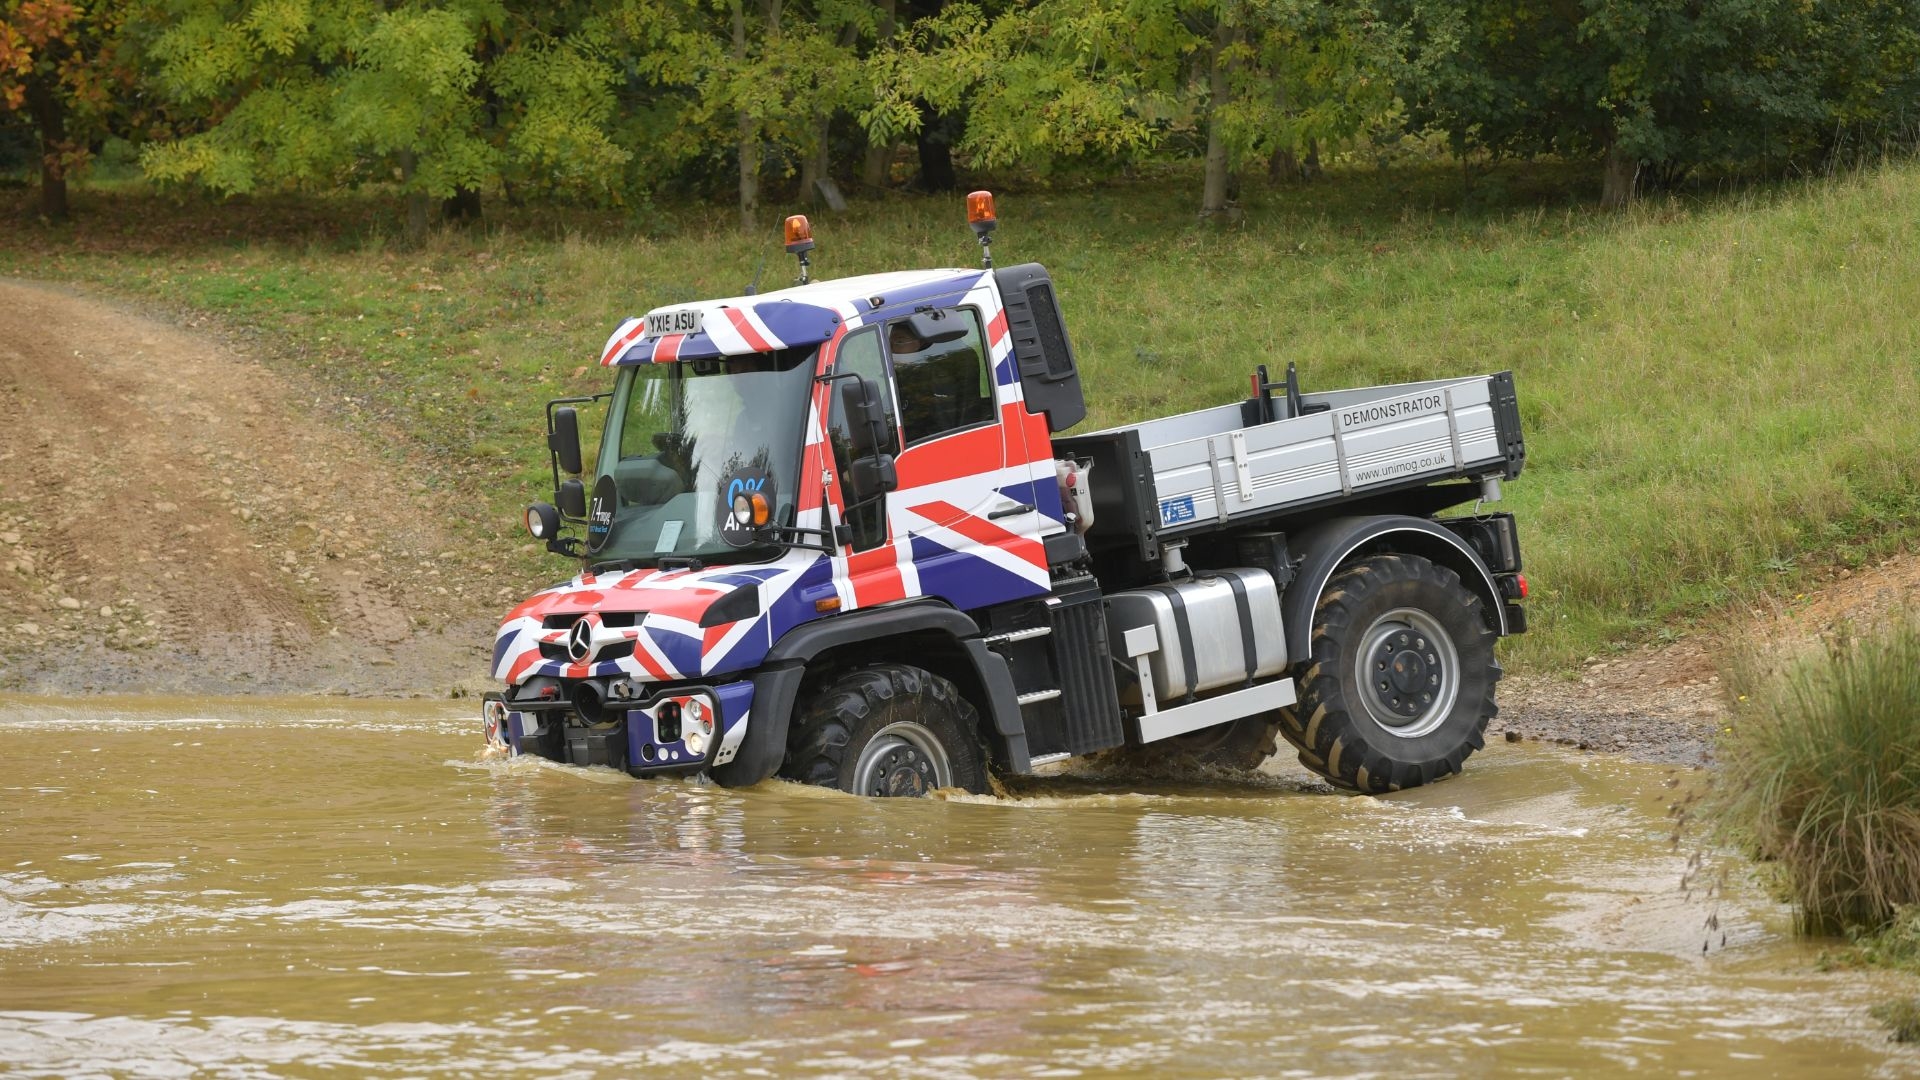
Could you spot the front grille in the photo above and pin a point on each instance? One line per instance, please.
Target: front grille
(619, 650)
(618, 619)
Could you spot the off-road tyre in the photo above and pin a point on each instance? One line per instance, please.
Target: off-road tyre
(1240, 745)
(902, 714)
(1336, 724)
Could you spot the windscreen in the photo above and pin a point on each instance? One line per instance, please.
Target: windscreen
(682, 439)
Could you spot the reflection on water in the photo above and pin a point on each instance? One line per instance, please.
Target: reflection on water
(291, 887)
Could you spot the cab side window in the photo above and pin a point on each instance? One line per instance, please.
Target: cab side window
(859, 354)
(940, 364)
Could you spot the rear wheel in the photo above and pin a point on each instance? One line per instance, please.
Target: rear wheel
(1399, 680)
(1237, 744)
(890, 730)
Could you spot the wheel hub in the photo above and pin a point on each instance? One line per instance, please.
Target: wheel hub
(903, 760)
(901, 772)
(1409, 672)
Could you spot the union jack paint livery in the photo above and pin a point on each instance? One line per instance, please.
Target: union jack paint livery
(945, 537)
(835, 533)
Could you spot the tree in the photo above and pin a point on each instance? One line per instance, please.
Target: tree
(1643, 85)
(62, 64)
(1069, 78)
(441, 99)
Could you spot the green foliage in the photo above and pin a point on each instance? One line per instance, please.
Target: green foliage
(1895, 945)
(1902, 1016)
(321, 94)
(1671, 86)
(1818, 773)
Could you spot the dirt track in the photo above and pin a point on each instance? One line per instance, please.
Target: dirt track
(176, 517)
(1665, 703)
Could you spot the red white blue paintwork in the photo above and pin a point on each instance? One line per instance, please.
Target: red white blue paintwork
(942, 540)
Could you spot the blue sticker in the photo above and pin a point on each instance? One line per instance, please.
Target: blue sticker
(1175, 511)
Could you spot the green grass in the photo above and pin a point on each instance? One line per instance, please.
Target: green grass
(1820, 776)
(1712, 389)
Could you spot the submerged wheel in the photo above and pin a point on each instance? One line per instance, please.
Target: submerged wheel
(889, 731)
(1237, 744)
(1399, 681)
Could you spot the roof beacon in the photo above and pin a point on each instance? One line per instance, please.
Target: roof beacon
(980, 216)
(800, 241)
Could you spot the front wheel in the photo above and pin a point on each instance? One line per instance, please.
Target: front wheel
(1399, 679)
(889, 730)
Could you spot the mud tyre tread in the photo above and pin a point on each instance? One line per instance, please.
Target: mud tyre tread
(1332, 731)
(847, 712)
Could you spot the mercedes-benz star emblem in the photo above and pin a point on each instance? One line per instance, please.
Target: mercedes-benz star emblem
(580, 641)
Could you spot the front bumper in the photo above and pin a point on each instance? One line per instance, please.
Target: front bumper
(679, 729)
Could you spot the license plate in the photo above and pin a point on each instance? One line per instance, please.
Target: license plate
(677, 321)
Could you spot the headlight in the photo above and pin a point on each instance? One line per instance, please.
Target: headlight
(493, 715)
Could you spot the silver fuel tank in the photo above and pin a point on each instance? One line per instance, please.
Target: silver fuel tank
(1212, 630)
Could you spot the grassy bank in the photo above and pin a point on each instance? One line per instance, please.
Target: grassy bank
(1712, 390)
(1817, 779)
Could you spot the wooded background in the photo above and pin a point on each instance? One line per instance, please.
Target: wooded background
(620, 102)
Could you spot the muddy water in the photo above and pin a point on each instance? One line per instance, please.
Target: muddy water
(249, 888)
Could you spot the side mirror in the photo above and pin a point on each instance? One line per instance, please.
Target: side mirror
(564, 439)
(572, 497)
(866, 424)
(937, 327)
(871, 476)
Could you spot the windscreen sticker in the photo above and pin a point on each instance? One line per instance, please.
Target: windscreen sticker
(749, 483)
(600, 513)
(1174, 511)
(669, 537)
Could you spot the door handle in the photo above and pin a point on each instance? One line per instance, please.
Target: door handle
(1011, 511)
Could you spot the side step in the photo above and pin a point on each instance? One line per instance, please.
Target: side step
(1217, 710)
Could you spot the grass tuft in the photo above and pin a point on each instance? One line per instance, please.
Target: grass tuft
(1902, 1016)
(1821, 776)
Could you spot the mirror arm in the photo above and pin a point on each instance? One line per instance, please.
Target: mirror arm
(553, 459)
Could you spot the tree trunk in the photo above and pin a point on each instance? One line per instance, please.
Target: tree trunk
(813, 167)
(1283, 166)
(51, 118)
(936, 152)
(874, 170)
(1616, 185)
(748, 132)
(1213, 194)
(417, 204)
(462, 207)
(818, 163)
(1310, 168)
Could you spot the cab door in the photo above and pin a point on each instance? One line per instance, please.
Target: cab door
(950, 531)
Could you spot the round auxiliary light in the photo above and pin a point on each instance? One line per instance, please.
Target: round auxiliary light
(750, 511)
(543, 521)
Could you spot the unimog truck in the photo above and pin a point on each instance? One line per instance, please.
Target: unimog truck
(838, 533)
